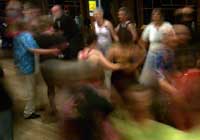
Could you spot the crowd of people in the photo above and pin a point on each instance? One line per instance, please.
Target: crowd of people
(119, 84)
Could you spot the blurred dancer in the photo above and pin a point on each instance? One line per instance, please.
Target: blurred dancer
(47, 38)
(67, 26)
(91, 53)
(96, 57)
(125, 53)
(126, 24)
(185, 16)
(184, 113)
(142, 127)
(24, 49)
(153, 34)
(85, 114)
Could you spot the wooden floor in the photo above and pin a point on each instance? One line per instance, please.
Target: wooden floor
(28, 129)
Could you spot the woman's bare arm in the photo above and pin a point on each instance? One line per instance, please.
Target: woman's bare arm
(97, 57)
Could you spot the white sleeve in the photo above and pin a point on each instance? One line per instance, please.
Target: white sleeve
(146, 34)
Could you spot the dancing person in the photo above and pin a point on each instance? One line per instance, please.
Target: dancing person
(125, 52)
(67, 26)
(24, 49)
(153, 34)
(47, 38)
(126, 24)
(93, 55)
(105, 34)
(104, 31)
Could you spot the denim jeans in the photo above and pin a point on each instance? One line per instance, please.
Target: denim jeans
(6, 125)
(148, 77)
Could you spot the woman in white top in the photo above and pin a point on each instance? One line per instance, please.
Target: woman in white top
(153, 35)
(104, 31)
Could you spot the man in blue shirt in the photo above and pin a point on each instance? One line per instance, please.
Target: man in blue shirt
(24, 49)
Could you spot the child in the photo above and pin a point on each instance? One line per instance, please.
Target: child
(24, 49)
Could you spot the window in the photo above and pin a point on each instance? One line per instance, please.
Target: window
(168, 7)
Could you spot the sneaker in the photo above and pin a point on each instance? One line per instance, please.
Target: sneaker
(32, 116)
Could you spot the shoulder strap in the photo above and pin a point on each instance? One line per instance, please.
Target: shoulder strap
(127, 23)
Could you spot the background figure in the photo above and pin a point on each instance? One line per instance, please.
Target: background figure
(153, 34)
(69, 29)
(6, 118)
(185, 16)
(104, 31)
(13, 14)
(126, 24)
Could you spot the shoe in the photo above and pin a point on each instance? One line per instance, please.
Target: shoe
(32, 116)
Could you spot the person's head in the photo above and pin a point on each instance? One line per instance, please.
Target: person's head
(157, 15)
(85, 102)
(98, 14)
(125, 37)
(139, 100)
(91, 38)
(57, 11)
(123, 14)
(182, 33)
(13, 9)
(45, 23)
(31, 11)
(21, 26)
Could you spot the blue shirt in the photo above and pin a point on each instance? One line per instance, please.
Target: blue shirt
(24, 58)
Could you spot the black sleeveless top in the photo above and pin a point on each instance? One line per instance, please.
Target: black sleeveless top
(123, 29)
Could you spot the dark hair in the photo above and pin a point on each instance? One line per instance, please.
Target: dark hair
(126, 10)
(90, 38)
(21, 25)
(158, 10)
(125, 37)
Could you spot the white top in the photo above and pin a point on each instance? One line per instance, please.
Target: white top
(104, 38)
(154, 35)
